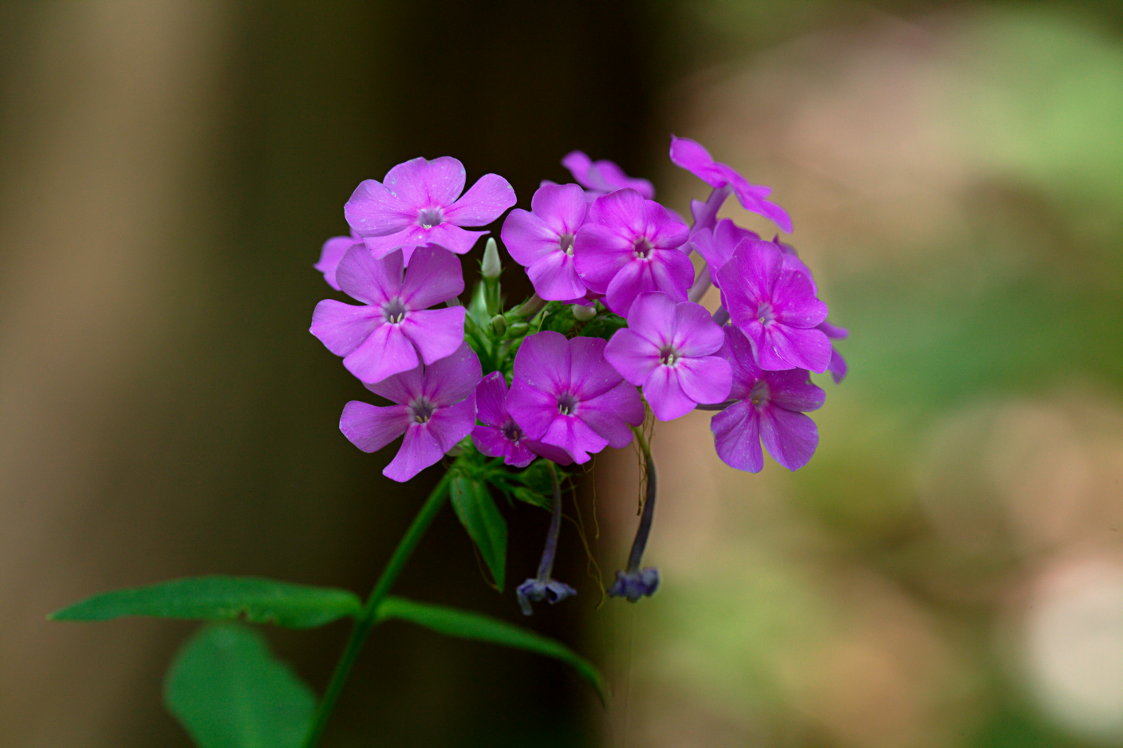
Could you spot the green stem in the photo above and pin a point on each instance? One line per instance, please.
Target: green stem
(368, 616)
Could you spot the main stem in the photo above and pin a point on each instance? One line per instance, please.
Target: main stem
(368, 616)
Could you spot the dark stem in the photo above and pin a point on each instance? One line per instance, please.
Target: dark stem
(648, 511)
(368, 616)
(546, 565)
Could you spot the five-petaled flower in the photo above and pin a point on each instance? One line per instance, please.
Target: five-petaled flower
(774, 304)
(672, 350)
(419, 203)
(541, 240)
(566, 394)
(434, 407)
(394, 330)
(769, 406)
(629, 245)
(497, 434)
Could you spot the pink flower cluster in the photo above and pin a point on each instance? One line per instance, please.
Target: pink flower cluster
(616, 315)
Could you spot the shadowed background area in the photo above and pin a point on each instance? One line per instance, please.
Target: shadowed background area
(948, 570)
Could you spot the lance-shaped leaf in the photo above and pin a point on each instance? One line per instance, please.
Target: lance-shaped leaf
(486, 526)
(228, 691)
(468, 625)
(219, 598)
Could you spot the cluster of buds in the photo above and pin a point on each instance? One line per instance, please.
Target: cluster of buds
(615, 322)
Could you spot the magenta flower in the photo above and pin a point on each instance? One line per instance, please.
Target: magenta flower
(690, 155)
(672, 350)
(498, 435)
(394, 330)
(837, 367)
(602, 177)
(541, 240)
(419, 203)
(434, 406)
(769, 406)
(775, 306)
(629, 245)
(332, 253)
(716, 245)
(566, 394)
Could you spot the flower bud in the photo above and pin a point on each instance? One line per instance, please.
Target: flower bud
(490, 268)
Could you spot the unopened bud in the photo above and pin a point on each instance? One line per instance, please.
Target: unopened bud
(499, 324)
(584, 313)
(490, 268)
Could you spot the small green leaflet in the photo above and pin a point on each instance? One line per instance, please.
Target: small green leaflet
(467, 625)
(485, 525)
(219, 598)
(228, 691)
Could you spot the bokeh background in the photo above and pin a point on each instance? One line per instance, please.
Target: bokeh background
(948, 570)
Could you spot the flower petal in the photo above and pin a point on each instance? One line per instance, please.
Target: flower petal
(542, 362)
(737, 437)
(562, 207)
(372, 280)
(664, 394)
(634, 357)
(436, 333)
(452, 378)
(420, 183)
(555, 278)
(370, 427)
(453, 422)
(611, 412)
(491, 400)
(419, 450)
(482, 203)
(527, 237)
(331, 254)
(373, 210)
(705, 380)
(385, 353)
(790, 437)
(434, 275)
(343, 327)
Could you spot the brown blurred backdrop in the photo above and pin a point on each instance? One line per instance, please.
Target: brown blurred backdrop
(948, 571)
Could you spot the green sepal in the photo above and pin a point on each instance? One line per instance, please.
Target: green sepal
(220, 598)
(468, 625)
(228, 691)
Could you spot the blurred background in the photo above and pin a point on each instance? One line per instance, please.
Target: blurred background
(948, 570)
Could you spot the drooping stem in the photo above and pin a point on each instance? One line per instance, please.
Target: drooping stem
(368, 616)
(635, 556)
(546, 565)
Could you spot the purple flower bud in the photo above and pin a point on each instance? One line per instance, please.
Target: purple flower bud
(535, 591)
(633, 585)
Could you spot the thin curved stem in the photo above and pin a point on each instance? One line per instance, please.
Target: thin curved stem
(368, 616)
(635, 556)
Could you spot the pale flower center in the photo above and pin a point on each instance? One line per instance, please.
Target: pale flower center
(565, 241)
(765, 315)
(427, 218)
(759, 394)
(668, 356)
(641, 247)
(421, 410)
(567, 404)
(394, 311)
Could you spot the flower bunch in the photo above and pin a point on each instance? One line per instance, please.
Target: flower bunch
(615, 329)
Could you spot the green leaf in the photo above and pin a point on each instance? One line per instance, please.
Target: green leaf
(467, 625)
(228, 691)
(485, 525)
(218, 598)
